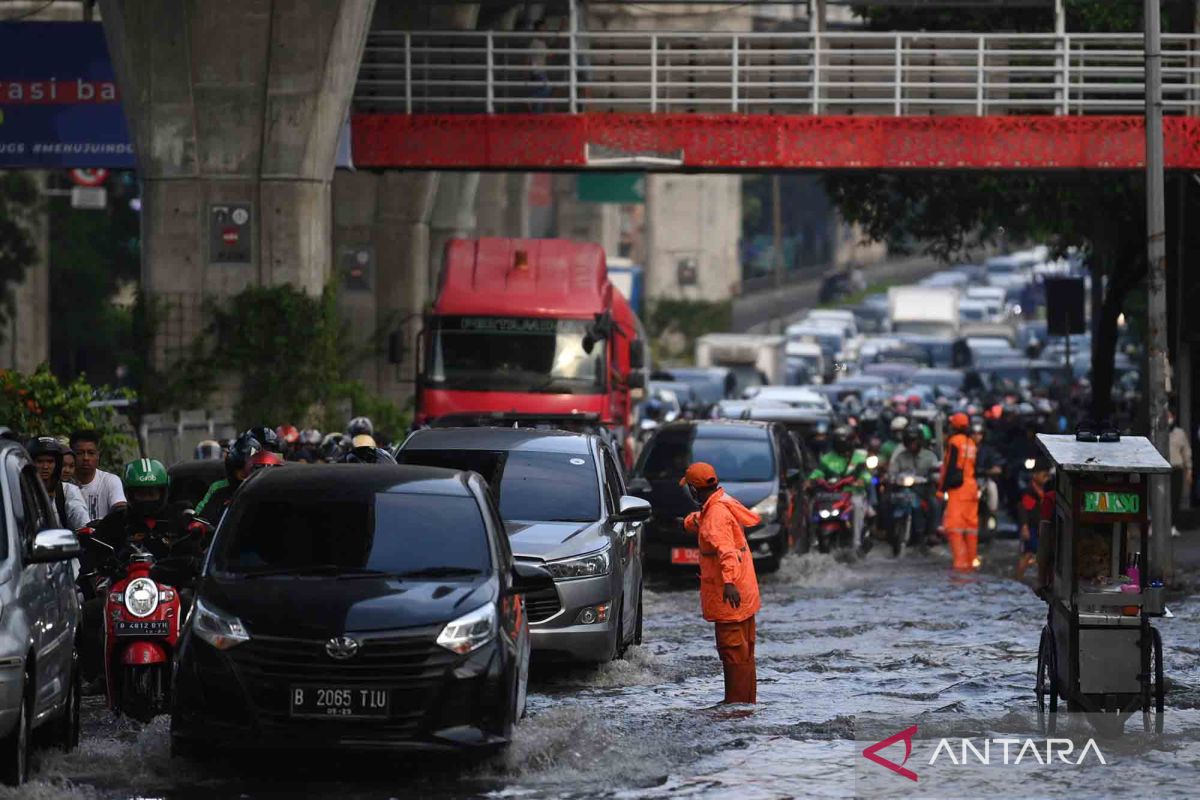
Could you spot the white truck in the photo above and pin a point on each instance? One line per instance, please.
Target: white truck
(753, 359)
(923, 310)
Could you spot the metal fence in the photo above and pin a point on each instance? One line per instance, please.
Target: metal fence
(793, 73)
(173, 437)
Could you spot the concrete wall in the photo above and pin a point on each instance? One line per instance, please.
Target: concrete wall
(25, 340)
(694, 220)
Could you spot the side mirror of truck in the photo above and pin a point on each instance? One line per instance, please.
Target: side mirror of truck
(637, 354)
(637, 380)
(396, 347)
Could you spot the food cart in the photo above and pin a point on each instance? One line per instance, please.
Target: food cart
(1098, 651)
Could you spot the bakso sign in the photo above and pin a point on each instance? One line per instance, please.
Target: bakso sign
(1111, 502)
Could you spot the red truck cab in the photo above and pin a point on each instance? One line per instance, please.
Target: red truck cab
(529, 329)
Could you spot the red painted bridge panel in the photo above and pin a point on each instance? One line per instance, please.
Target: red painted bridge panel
(759, 141)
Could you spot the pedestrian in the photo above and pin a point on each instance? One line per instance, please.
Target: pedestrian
(101, 490)
(957, 484)
(728, 587)
(1180, 451)
(1030, 516)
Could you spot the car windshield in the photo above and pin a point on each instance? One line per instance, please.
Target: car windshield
(735, 460)
(394, 534)
(529, 486)
(515, 354)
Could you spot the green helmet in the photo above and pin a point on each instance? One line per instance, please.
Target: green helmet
(145, 472)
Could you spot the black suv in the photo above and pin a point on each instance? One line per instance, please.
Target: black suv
(360, 607)
(757, 462)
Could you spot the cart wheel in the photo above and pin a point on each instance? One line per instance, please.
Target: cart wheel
(1047, 675)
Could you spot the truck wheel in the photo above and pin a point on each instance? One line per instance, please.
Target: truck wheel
(14, 749)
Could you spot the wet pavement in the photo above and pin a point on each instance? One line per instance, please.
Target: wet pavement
(835, 640)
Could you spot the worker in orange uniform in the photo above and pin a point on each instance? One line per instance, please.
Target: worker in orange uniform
(961, 519)
(728, 587)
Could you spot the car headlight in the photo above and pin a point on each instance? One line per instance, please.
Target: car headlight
(141, 597)
(590, 566)
(470, 631)
(767, 508)
(823, 513)
(219, 629)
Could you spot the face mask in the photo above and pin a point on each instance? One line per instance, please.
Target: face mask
(692, 493)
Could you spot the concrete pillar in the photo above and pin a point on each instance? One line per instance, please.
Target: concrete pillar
(693, 224)
(25, 341)
(453, 216)
(234, 101)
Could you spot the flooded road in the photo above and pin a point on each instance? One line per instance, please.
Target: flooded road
(881, 637)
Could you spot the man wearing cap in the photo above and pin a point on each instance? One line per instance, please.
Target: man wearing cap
(728, 586)
(957, 483)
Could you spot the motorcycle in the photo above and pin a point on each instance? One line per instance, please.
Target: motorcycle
(833, 514)
(904, 492)
(143, 614)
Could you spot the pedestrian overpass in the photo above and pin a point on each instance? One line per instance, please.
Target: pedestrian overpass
(797, 100)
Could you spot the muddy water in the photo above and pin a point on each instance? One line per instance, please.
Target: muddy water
(835, 640)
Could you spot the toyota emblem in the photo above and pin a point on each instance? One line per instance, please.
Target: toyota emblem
(341, 648)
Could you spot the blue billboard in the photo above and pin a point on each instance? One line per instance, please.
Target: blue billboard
(59, 105)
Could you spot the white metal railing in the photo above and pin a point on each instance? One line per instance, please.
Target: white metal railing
(838, 73)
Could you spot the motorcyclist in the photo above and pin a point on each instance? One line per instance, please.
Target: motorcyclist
(309, 448)
(915, 459)
(989, 467)
(69, 508)
(360, 426)
(363, 450)
(842, 461)
(333, 447)
(898, 425)
(268, 439)
(208, 450)
(237, 469)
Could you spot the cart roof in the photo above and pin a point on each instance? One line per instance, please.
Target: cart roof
(1131, 454)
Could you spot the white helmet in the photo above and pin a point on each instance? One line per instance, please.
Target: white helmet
(899, 423)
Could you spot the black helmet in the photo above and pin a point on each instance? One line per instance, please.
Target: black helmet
(208, 450)
(332, 447)
(913, 433)
(47, 446)
(368, 455)
(240, 452)
(360, 425)
(842, 439)
(267, 437)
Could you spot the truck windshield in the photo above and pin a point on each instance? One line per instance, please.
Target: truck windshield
(515, 354)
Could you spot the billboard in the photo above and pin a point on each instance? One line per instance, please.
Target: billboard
(59, 105)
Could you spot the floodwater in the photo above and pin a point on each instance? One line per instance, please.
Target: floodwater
(835, 640)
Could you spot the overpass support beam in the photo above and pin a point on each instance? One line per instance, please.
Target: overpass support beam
(234, 103)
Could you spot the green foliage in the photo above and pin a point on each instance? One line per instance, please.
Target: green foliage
(291, 354)
(674, 325)
(18, 205)
(41, 405)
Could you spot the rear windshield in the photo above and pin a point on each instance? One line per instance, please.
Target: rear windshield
(735, 460)
(528, 486)
(397, 533)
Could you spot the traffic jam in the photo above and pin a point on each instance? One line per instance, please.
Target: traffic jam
(584, 573)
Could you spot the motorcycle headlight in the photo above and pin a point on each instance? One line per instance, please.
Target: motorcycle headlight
(592, 565)
(1029, 462)
(834, 512)
(908, 480)
(767, 508)
(823, 513)
(470, 631)
(141, 597)
(872, 462)
(219, 629)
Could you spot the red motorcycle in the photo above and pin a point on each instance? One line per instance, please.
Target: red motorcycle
(142, 617)
(833, 514)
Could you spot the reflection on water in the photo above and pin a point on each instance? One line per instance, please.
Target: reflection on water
(835, 640)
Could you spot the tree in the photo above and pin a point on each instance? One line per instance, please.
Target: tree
(954, 213)
(18, 204)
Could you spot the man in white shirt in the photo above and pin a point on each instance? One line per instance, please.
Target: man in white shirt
(102, 491)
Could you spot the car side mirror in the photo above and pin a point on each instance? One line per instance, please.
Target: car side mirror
(794, 474)
(632, 509)
(56, 544)
(528, 578)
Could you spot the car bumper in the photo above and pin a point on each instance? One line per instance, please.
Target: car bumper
(464, 705)
(659, 539)
(564, 636)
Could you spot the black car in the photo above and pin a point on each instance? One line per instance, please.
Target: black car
(357, 607)
(759, 463)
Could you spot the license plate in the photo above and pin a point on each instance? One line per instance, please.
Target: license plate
(685, 555)
(143, 628)
(340, 701)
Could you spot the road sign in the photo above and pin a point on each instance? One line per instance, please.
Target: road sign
(88, 177)
(90, 197)
(230, 226)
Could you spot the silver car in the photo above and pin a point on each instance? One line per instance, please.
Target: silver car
(39, 664)
(562, 498)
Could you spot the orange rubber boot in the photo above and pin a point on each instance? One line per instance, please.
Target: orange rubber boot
(972, 547)
(958, 548)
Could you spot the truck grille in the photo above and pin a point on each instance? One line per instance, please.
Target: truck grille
(542, 605)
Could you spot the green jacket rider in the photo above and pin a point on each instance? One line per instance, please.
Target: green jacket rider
(841, 461)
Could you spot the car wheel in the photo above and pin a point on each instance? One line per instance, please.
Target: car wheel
(637, 625)
(70, 721)
(14, 750)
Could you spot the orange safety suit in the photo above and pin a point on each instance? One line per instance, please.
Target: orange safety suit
(961, 520)
(725, 558)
